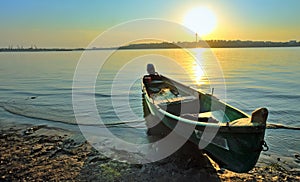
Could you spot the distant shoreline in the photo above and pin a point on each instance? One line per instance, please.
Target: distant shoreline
(168, 45)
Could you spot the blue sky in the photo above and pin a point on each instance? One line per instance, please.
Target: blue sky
(74, 23)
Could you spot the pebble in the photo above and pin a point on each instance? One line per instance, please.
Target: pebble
(143, 169)
(220, 171)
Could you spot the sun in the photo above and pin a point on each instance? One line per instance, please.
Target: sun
(201, 20)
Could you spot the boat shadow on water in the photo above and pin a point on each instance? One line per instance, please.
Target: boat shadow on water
(192, 163)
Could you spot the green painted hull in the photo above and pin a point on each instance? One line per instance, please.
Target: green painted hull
(236, 148)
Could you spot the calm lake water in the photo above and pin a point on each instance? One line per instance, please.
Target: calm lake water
(36, 87)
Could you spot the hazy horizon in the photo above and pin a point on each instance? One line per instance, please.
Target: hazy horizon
(76, 23)
(35, 46)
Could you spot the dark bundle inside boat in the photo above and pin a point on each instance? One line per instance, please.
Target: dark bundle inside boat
(239, 138)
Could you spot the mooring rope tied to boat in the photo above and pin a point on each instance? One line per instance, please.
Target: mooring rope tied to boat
(281, 126)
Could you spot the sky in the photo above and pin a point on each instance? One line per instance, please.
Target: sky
(75, 23)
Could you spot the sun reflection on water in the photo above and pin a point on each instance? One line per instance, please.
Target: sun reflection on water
(198, 75)
(196, 68)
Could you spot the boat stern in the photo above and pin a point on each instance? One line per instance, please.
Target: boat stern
(260, 116)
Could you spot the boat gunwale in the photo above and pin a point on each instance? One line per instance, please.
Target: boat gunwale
(223, 126)
(213, 97)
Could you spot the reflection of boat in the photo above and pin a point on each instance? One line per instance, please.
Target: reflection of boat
(233, 139)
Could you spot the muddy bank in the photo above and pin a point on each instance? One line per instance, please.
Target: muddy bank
(42, 153)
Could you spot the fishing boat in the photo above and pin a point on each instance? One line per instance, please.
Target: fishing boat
(238, 137)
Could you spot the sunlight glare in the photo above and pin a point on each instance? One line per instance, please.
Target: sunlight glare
(201, 20)
(200, 76)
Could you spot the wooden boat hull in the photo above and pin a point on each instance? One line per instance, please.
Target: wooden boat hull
(234, 147)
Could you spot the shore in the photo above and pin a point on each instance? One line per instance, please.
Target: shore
(43, 153)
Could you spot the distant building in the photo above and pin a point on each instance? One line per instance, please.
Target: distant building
(292, 42)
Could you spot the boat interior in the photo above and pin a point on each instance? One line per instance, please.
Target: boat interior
(188, 103)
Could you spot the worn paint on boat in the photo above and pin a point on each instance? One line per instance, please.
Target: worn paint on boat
(239, 138)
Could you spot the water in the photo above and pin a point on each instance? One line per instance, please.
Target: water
(37, 87)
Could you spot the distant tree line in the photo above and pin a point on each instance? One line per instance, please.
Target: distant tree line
(167, 45)
(35, 49)
(212, 44)
(239, 43)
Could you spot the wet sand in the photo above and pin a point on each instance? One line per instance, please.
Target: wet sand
(42, 153)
